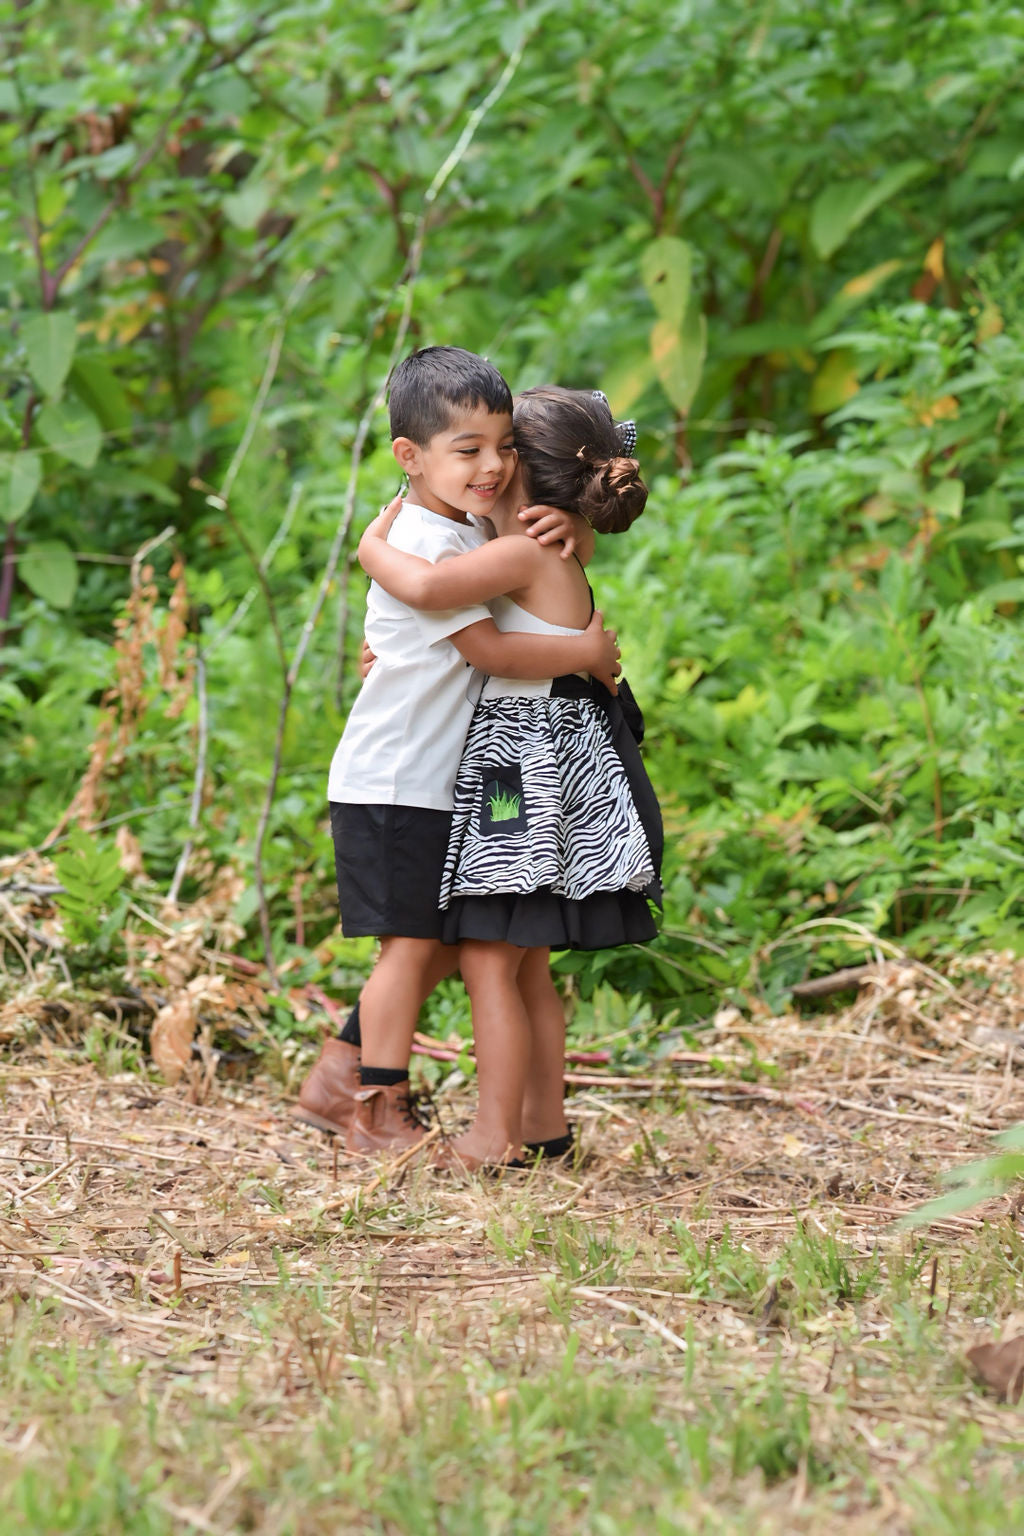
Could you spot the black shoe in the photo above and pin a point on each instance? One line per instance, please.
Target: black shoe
(555, 1146)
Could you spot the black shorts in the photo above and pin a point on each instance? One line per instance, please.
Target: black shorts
(389, 860)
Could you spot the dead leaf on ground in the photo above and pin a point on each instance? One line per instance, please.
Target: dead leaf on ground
(1001, 1367)
(171, 1039)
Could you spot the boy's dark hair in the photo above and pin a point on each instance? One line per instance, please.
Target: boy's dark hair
(571, 455)
(428, 387)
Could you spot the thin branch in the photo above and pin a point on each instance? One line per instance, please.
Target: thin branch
(629, 1309)
(343, 609)
(256, 411)
(47, 286)
(392, 196)
(147, 549)
(198, 782)
(266, 561)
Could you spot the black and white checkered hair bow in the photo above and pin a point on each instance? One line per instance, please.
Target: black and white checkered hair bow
(625, 429)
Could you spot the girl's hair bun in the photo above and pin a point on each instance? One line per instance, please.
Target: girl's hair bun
(573, 455)
(615, 495)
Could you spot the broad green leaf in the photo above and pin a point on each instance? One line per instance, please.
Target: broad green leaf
(947, 498)
(49, 341)
(109, 164)
(665, 267)
(840, 208)
(72, 431)
(996, 156)
(53, 199)
(124, 237)
(246, 207)
(101, 390)
(22, 473)
(948, 86)
(49, 569)
(764, 336)
(133, 482)
(1011, 591)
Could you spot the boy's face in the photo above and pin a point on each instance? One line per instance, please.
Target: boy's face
(463, 469)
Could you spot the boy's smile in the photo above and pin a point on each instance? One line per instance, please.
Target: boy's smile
(463, 469)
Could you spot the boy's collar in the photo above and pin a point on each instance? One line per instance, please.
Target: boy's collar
(439, 517)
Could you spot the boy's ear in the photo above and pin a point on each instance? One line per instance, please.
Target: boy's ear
(407, 454)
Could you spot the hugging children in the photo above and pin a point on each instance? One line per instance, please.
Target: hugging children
(505, 816)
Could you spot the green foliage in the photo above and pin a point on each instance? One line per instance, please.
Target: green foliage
(92, 876)
(805, 283)
(972, 1183)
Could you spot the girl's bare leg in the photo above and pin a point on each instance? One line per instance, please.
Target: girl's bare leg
(502, 1034)
(544, 1096)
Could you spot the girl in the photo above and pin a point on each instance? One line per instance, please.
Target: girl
(555, 834)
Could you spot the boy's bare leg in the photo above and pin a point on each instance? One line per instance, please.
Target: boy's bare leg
(544, 1095)
(501, 1031)
(406, 973)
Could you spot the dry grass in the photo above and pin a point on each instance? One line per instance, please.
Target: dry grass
(211, 1321)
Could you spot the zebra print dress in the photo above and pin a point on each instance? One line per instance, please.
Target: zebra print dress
(547, 846)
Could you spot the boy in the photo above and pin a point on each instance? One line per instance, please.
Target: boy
(393, 774)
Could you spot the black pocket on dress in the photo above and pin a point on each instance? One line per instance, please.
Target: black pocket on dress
(503, 802)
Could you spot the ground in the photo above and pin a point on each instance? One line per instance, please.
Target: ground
(213, 1321)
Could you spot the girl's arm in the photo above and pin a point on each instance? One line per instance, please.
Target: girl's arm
(455, 582)
(514, 654)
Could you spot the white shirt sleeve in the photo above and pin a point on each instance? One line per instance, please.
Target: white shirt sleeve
(436, 544)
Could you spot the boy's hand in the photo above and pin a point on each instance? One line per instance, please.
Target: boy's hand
(602, 652)
(381, 525)
(552, 525)
(366, 660)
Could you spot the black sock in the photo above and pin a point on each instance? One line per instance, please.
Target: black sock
(382, 1077)
(555, 1146)
(351, 1033)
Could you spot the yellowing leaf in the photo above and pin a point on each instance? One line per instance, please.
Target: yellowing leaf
(224, 406)
(867, 282)
(678, 356)
(990, 323)
(934, 261)
(834, 383)
(946, 408)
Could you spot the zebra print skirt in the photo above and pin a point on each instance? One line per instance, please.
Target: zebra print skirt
(546, 839)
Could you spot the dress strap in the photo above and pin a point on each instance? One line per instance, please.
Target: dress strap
(586, 578)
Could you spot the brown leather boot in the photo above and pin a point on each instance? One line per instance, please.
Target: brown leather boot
(384, 1121)
(327, 1098)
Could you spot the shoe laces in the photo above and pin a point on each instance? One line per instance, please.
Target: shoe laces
(409, 1107)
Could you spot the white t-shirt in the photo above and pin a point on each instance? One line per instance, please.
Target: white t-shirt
(404, 736)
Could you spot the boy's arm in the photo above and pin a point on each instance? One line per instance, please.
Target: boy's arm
(515, 654)
(453, 581)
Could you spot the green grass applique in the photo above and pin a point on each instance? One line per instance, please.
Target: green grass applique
(504, 806)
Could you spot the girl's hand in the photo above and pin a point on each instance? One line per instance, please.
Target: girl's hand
(602, 652)
(381, 525)
(366, 660)
(551, 525)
